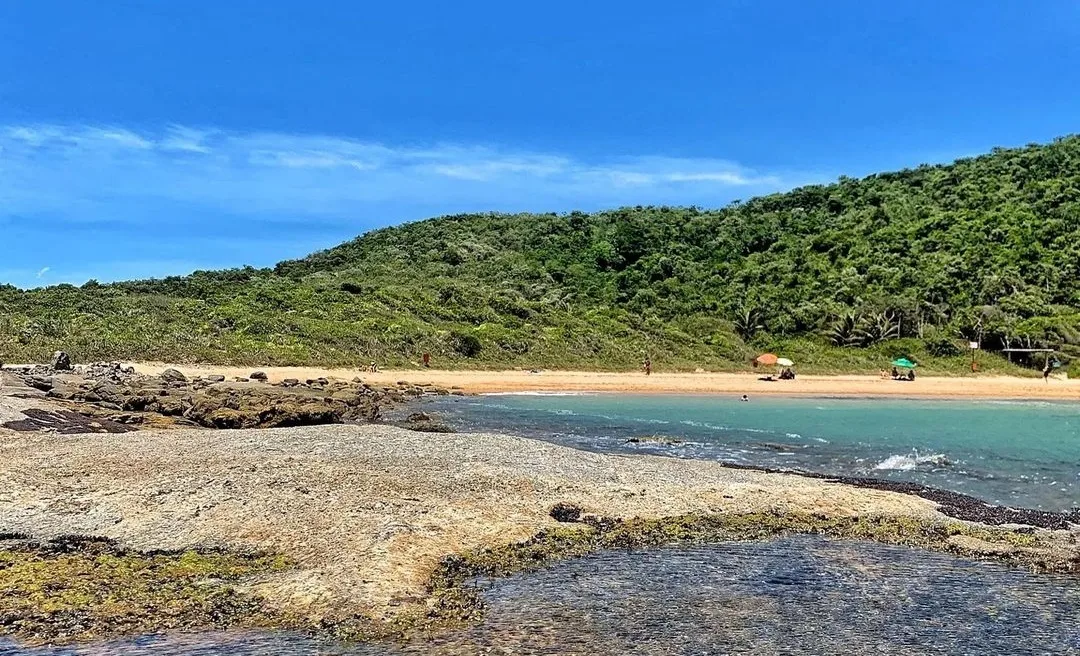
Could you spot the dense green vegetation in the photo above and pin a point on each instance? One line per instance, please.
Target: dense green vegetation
(838, 277)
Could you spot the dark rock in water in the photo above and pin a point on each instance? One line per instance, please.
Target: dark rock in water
(566, 512)
(60, 361)
(258, 375)
(216, 378)
(173, 376)
(654, 439)
(779, 446)
(419, 416)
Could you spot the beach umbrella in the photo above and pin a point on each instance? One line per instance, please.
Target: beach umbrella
(784, 362)
(766, 359)
(904, 363)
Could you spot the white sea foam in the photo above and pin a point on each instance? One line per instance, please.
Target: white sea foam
(540, 394)
(701, 424)
(911, 461)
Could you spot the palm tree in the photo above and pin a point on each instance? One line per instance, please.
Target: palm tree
(748, 322)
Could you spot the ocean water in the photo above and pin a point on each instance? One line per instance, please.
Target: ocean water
(1024, 454)
(805, 595)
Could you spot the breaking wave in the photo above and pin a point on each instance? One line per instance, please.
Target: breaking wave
(912, 461)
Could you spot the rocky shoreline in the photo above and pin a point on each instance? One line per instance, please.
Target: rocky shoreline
(109, 397)
(375, 531)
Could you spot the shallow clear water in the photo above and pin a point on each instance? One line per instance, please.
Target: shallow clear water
(1011, 453)
(802, 594)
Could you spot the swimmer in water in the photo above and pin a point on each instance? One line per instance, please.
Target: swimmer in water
(745, 398)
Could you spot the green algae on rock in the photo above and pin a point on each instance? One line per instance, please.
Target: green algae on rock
(80, 590)
(66, 591)
(452, 601)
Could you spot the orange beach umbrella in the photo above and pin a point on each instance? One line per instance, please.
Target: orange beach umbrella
(766, 359)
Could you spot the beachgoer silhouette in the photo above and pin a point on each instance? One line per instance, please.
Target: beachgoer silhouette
(427, 360)
(895, 373)
(911, 374)
(1046, 371)
(745, 398)
(647, 366)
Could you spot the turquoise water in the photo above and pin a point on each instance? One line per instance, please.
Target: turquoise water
(1024, 454)
(797, 595)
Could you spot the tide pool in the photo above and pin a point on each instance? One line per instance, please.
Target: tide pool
(795, 595)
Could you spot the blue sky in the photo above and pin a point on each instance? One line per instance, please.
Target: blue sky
(143, 139)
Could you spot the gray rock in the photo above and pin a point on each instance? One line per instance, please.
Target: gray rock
(258, 375)
(216, 378)
(173, 376)
(61, 361)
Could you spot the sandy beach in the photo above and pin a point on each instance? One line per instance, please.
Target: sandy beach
(487, 382)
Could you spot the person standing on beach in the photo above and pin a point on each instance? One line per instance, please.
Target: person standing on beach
(646, 366)
(1046, 371)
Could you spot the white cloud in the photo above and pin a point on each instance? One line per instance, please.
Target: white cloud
(92, 173)
(186, 139)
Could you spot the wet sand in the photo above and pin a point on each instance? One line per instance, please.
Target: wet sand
(486, 382)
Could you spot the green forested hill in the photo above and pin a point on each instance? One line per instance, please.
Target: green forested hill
(839, 276)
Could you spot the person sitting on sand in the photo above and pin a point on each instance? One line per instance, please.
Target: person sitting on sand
(373, 368)
(895, 374)
(911, 374)
(884, 374)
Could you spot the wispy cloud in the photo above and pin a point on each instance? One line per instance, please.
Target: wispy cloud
(129, 203)
(110, 173)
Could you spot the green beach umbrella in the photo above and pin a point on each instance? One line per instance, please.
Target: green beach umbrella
(903, 362)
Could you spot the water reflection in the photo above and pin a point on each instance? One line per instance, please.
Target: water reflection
(794, 595)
